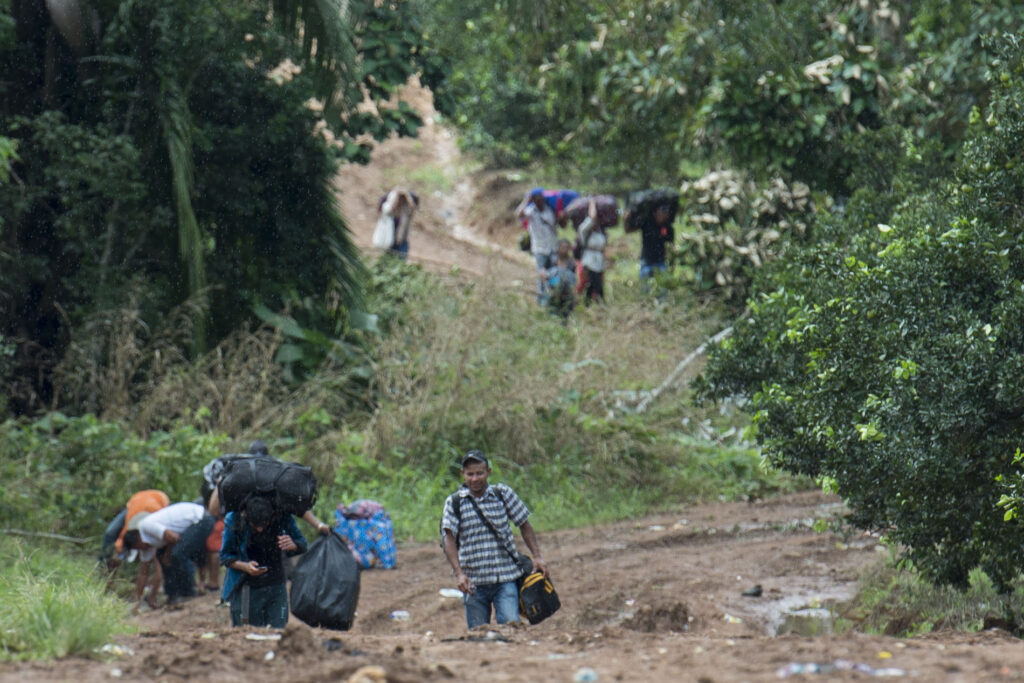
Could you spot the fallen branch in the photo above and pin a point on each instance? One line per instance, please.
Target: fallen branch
(43, 534)
(673, 376)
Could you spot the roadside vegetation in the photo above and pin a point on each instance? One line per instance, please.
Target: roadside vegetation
(54, 604)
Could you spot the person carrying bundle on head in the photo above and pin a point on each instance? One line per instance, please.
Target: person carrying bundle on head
(256, 541)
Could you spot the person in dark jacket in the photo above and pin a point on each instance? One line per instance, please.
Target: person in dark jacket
(655, 232)
(255, 544)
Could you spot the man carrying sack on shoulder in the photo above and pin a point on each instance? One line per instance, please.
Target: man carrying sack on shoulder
(480, 547)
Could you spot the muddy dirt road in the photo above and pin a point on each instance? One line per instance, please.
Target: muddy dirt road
(657, 599)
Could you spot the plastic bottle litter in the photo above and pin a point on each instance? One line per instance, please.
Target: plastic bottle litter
(269, 656)
(400, 615)
(795, 668)
(585, 675)
(263, 636)
(451, 593)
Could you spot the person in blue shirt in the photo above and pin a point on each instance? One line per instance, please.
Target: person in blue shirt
(256, 541)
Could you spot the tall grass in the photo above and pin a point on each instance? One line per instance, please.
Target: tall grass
(473, 365)
(894, 600)
(53, 605)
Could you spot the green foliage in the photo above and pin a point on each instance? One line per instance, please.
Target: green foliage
(53, 605)
(73, 474)
(731, 227)
(631, 92)
(888, 361)
(185, 159)
(455, 370)
(897, 601)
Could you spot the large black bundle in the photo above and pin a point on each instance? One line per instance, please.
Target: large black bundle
(289, 486)
(325, 585)
(642, 205)
(607, 210)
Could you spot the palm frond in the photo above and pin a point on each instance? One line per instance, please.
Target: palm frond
(177, 124)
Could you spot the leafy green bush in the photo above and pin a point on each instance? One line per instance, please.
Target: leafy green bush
(897, 601)
(71, 475)
(890, 361)
(53, 604)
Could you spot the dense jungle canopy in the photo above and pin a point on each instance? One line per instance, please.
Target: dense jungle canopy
(850, 175)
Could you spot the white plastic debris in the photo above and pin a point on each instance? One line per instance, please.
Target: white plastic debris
(263, 636)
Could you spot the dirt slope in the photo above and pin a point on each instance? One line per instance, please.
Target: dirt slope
(657, 599)
(446, 233)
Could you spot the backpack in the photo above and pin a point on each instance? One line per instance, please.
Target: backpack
(290, 487)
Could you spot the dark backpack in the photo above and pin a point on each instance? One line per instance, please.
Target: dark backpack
(290, 487)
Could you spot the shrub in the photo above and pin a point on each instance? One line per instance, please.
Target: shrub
(890, 361)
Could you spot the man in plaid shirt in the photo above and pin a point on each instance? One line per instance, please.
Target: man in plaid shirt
(480, 550)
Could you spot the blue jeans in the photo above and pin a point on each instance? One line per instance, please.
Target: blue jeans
(504, 597)
(400, 249)
(189, 551)
(268, 605)
(647, 269)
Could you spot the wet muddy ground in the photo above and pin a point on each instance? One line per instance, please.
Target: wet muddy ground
(657, 599)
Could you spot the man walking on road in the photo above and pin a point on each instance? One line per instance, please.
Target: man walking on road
(479, 545)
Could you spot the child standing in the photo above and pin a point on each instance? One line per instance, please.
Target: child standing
(562, 280)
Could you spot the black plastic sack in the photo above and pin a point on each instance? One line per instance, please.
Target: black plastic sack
(290, 487)
(325, 585)
(641, 206)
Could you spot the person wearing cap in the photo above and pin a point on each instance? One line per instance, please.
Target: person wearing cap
(213, 472)
(540, 220)
(255, 542)
(176, 535)
(478, 542)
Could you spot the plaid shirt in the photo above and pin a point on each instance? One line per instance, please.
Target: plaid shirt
(483, 559)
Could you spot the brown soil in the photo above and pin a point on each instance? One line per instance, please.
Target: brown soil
(657, 599)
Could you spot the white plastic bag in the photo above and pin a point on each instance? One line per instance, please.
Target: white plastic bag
(384, 234)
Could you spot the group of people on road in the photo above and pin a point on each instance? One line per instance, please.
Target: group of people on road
(559, 277)
(175, 542)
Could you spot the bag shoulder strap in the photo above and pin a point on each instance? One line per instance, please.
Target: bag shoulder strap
(490, 524)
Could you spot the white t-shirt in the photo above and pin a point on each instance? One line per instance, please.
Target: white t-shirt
(177, 518)
(593, 242)
(543, 233)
